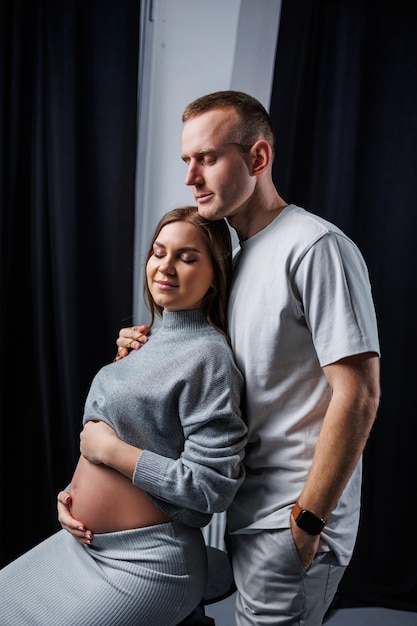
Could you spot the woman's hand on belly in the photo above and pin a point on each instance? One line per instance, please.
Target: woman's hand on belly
(95, 439)
(99, 444)
(75, 527)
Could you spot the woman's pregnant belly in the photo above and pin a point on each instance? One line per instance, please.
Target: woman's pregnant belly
(107, 501)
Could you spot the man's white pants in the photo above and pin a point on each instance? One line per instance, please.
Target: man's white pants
(273, 589)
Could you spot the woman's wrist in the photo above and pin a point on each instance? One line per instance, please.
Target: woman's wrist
(123, 457)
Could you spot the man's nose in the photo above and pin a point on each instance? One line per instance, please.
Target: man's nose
(193, 176)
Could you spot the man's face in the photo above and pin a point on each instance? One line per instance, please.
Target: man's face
(217, 169)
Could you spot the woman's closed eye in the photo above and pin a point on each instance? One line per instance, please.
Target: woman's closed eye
(186, 257)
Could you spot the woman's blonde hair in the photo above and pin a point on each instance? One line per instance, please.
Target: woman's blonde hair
(216, 234)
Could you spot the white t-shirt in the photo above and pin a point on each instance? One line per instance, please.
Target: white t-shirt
(300, 300)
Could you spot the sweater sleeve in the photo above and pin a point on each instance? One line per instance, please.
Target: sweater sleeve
(209, 470)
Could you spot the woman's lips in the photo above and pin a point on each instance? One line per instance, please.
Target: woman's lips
(165, 286)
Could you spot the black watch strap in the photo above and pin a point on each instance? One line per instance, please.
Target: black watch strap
(311, 523)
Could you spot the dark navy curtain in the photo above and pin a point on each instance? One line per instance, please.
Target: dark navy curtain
(68, 93)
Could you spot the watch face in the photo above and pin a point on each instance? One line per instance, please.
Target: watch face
(312, 524)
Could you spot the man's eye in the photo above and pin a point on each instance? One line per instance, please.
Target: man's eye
(209, 160)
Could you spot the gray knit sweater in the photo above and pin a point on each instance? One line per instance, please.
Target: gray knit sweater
(178, 399)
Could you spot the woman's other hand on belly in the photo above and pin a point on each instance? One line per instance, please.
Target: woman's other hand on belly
(75, 527)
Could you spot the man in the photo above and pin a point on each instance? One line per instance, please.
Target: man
(304, 334)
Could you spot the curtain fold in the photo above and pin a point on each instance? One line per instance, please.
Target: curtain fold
(344, 107)
(69, 132)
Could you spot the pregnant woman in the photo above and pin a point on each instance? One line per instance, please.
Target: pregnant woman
(161, 451)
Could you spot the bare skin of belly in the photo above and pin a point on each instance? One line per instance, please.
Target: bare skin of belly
(106, 501)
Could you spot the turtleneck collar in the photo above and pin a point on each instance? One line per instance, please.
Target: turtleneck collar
(192, 319)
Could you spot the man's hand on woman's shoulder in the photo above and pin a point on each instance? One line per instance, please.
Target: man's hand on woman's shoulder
(130, 338)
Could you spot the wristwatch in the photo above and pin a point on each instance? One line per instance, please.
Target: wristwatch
(311, 523)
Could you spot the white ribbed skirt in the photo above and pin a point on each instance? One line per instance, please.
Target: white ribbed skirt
(152, 576)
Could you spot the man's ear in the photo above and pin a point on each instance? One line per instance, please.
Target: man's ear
(261, 153)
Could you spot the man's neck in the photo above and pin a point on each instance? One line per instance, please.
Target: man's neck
(251, 221)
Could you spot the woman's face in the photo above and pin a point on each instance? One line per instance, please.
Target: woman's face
(180, 270)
